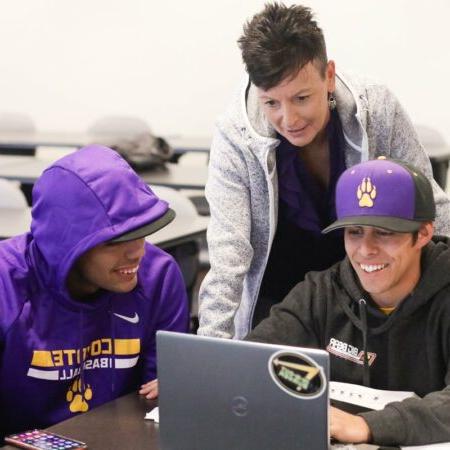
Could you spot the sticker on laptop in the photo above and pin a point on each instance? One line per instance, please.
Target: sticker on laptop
(297, 374)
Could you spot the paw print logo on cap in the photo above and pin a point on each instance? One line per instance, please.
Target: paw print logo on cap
(78, 396)
(366, 193)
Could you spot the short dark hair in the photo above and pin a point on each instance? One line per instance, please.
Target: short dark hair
(279, 41)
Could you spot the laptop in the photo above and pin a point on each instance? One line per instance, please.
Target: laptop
(226, 394)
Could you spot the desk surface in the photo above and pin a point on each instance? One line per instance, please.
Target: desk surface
(17, 221)
(120, 425)
(176, 176)
(180, 144)
(27, 169)
(11, 140)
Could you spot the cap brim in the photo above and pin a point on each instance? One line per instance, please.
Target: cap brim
(388, 223)
(147, 229)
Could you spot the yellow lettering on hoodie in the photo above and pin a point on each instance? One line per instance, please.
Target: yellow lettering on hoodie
(42, 358)
(127, 346)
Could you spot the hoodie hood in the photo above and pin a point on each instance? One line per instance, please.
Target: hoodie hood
(434, 278)
(86, 198)
(435, 257)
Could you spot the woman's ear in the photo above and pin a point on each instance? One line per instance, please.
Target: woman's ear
(330, 75)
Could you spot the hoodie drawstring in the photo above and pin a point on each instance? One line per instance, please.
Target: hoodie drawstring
(363, 316)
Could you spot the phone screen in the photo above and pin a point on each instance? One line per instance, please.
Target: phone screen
(44, 440)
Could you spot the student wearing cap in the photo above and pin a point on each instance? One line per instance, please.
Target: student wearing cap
(383, 313)
(294, 126)
(82, 294)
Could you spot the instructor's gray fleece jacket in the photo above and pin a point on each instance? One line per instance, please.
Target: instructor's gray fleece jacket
(409, 350)
(242, 191)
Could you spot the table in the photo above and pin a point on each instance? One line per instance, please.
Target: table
(179, 231)
(120, 425)
(176, 176)
(24, 141)
(439, 155)
(117, 425)
(27, 169)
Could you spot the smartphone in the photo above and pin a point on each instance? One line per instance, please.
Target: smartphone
(43, 440)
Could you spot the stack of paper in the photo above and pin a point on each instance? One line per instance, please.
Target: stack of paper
(441, 446)
(364, 396)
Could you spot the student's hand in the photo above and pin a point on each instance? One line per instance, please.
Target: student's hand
(150, 389)
(346, 427)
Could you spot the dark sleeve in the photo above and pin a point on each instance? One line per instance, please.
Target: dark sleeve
(294, 321)
(172, 314)
(414, 421)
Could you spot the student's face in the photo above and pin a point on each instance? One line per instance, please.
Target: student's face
(298, 107)
(387, 263)
(112, 267)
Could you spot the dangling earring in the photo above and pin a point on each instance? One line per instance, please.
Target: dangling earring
(331, 101)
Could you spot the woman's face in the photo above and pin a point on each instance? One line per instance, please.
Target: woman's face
(298, 106)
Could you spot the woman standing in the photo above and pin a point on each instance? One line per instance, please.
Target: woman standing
(277, 153)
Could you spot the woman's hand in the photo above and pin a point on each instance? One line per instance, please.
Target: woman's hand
(150, 389)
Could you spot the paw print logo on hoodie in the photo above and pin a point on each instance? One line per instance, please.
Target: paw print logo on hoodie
(78, 396)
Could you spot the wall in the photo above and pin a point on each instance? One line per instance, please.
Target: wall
(176, 63)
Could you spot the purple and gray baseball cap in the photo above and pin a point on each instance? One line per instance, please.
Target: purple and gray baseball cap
(385, 194)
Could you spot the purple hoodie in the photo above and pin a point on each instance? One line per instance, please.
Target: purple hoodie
(60, 356)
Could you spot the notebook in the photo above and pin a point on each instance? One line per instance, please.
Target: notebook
(225, 394)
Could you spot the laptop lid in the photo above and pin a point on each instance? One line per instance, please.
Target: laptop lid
(228, 394)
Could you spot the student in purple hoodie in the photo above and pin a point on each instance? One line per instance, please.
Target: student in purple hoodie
(82, 294)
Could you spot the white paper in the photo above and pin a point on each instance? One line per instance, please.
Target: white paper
(153, 415)
(343, 447)
(441, 446)
(367, 397)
